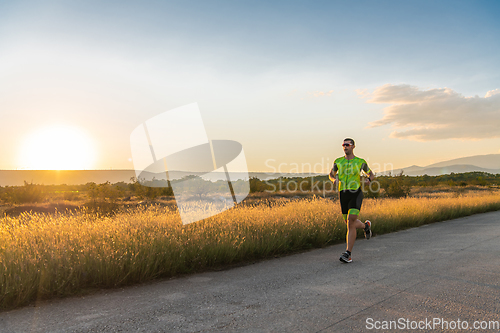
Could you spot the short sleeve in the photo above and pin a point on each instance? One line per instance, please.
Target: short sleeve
(365, 167)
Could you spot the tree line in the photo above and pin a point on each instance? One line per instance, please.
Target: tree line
(391, 186)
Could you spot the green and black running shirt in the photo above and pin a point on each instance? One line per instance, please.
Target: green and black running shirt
(349, 172)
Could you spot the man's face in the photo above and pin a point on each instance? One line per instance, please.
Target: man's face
(348, 147)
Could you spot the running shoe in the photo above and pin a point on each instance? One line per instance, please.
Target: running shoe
(368, 229)
(345, 257)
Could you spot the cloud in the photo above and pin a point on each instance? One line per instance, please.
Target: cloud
(363, 93)
(319, 93)
(437, 114)
(492, 92)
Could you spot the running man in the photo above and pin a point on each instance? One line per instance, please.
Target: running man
(346, 172)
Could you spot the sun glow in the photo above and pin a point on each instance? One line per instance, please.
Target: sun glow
(57, 148)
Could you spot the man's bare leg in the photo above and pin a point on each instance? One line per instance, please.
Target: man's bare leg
(352, 224)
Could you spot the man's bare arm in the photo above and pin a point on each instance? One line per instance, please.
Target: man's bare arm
(371, 176)
(333, 175)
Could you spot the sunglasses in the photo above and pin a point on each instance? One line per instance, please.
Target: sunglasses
(347, 144)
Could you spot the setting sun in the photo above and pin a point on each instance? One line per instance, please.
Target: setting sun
(57, 148)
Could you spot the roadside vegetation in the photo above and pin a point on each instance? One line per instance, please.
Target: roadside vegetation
(117, 235)
(92, 194)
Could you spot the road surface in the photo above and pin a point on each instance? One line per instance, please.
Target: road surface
(447, 271)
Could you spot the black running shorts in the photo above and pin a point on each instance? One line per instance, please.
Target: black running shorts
(350, 202)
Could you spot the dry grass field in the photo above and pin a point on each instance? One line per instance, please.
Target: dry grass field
(52, 255)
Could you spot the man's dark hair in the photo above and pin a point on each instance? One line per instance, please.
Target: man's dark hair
(349, 139)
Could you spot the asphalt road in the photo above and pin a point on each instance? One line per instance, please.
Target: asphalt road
(447, 271)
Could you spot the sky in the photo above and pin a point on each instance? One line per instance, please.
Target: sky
(413, 82)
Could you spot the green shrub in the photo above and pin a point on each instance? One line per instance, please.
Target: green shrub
(71, 195)
(29, 193)
(257, 185)
(372, 190)
(150, 192)
(397, 186)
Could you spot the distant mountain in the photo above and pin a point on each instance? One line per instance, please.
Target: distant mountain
(482, 163)
(491, 161)
(437, 171)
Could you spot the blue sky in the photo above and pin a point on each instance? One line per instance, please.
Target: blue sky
(288, 80)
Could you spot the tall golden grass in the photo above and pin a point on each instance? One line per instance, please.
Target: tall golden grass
(43, 256)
